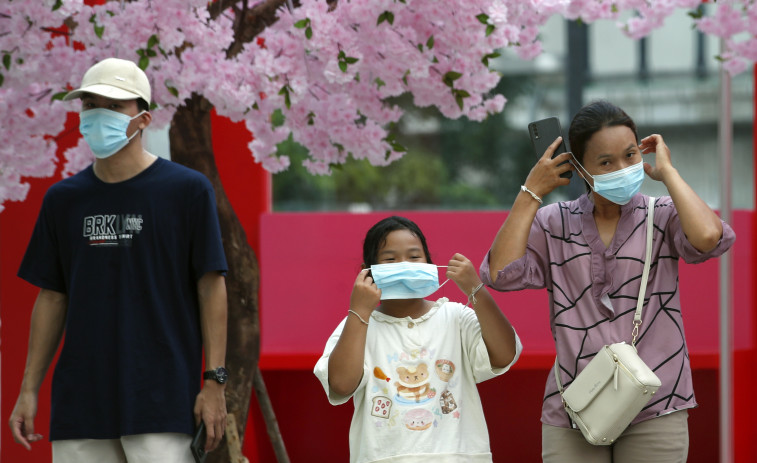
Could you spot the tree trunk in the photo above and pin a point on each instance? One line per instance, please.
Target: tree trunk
(191, 145)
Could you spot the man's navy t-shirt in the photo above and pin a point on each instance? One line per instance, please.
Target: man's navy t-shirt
(128, 256)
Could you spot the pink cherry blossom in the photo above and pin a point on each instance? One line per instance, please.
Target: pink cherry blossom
(325, 75)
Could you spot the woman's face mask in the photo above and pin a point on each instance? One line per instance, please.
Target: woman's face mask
(406, 280)
(105, 130)
(619, 186)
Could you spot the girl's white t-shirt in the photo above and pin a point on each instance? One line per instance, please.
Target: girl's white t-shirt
(417, 400)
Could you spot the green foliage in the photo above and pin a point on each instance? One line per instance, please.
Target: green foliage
(459, 95)
(305, 24)
(391, 139)
(450, 77)
(404, 76)
(285, 91)
(696, 14)
(449, 80)
(98, 29)
(345, 60)
(148, 52)
(415, 180)
(462, 165)
(387, 16)
(486, 58)
(278, 118)
(484, 19)
(172, 90)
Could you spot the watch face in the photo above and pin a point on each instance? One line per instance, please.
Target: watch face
(222, 375)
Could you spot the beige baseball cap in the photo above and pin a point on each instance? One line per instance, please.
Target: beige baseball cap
(115, 78)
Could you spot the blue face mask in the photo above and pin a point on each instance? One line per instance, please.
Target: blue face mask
(619, 186)
(406, 280)
(105, 130)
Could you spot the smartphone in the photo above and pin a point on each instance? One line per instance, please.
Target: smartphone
(543, 133)
(198, 444)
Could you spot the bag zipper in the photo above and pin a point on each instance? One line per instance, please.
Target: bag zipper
(630, 375)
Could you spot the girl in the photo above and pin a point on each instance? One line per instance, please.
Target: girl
(589, 254)
(411, 365)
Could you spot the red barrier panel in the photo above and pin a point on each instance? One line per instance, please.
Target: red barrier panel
(309, 263)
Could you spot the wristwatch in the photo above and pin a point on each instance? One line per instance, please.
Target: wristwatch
(220, 374)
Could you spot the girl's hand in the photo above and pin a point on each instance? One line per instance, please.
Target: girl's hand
(545, 175)
(663, 164)
(463, 273)
(365, 294)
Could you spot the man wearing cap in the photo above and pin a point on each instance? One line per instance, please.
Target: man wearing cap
(130, 265)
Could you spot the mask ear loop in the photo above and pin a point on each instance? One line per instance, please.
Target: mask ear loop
(583, 169)
(138, 129)
(445, 281)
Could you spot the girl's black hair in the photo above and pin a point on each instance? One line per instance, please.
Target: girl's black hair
(376, 237)
(592, 118)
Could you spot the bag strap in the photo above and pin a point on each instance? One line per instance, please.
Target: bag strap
(642, 289)
(557, 377)
(645, 273)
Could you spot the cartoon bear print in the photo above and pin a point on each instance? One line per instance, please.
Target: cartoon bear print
(413, 382)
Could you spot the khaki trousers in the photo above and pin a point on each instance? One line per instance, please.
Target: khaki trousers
(661, 440)
(140, 448)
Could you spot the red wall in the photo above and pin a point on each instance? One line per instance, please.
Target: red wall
(16, 300)
(309, 263)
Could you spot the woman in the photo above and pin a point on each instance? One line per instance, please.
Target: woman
(589, 254)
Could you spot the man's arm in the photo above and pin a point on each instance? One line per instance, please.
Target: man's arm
(210, 405)
(47, 324)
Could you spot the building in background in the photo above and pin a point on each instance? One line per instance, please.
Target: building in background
(668, 83)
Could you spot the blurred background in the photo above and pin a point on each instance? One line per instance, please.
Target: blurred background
(668, 83)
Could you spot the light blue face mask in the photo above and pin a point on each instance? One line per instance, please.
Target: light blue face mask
(105, 130)
(619, 186)
(406, 280)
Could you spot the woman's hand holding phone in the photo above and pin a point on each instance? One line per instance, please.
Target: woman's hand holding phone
(546, 175)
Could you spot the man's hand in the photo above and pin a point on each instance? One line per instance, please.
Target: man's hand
(210, 407)
(22, 420)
